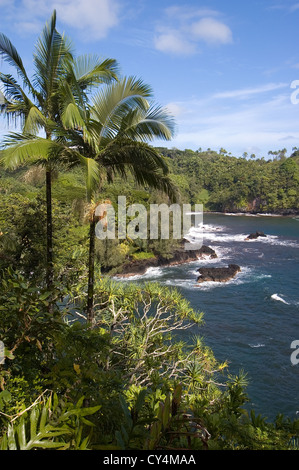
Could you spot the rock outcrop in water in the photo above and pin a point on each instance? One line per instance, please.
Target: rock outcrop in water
(254, 236)
(207, 252)
(215, 274)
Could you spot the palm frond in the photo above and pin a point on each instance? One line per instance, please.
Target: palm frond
(142, 161)
(51, 52)
(115, 101)
(3, 102)
(11, 55)
(17, 102)
(93, 174)
(90, 70)
(71, 113)
(34, 121)
(19, 149)
(156, 122)
(12, 89)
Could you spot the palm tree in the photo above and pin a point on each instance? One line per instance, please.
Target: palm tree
(47, 103)
(114, 141)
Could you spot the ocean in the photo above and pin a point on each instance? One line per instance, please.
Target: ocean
(252, 320)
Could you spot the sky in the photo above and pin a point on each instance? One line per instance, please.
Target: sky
(228, 70)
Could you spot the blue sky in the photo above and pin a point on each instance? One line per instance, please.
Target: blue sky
(223, 68)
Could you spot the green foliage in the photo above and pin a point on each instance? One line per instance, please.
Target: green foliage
(227, 183)
(142, 385)
(27, 328)
(140, 375)
(143, 255)
(49, 424)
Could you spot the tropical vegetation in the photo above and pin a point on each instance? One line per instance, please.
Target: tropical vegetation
(87, 362)
(225, 183)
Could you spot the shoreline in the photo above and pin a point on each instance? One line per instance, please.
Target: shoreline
(139, 267)
(252, 214)
(180, 256)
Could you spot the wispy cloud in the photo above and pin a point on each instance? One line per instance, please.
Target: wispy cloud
(221, 120)
(286, 6)
(246, 92)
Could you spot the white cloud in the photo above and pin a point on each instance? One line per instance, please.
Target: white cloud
(173, 42)
(184, 29)
(93, 18)
(175, 109)
(212, 31)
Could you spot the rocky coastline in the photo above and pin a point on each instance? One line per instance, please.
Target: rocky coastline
(206, 274)
(181, 256)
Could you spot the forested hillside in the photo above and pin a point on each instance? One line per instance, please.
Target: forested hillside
(226, 183)
(219, 182)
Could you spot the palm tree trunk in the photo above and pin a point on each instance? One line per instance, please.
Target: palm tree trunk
(91, 261)
(49, 267)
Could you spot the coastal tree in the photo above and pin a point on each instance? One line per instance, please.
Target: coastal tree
(119, 123)
(46, 103)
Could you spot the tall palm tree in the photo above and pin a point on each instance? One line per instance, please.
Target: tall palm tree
(47, 103)
(114, 140)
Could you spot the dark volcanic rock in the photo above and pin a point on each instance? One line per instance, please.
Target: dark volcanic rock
(218, 274)
(207, 251)
(254, 236)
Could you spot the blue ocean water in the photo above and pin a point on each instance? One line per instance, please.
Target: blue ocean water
(251, 320)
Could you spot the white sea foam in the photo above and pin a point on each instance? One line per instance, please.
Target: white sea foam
(276, 241)
(259, 345)
(278, 298)
(152, 272)
(212, 233)
(209, 233)
(185, 283)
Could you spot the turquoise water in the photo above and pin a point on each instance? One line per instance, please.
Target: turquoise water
(252, 320)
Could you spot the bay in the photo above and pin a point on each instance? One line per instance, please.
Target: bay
(252, 320)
